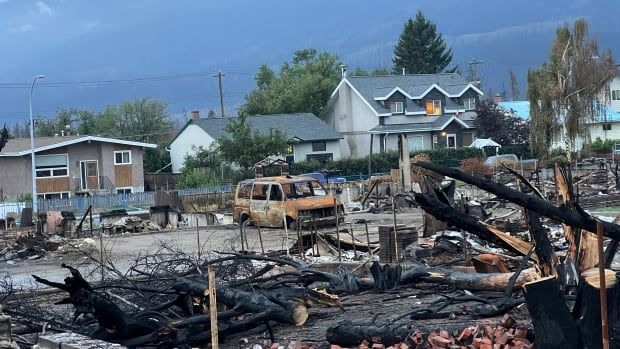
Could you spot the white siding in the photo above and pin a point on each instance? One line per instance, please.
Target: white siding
(303, 149)
(614, 85)
(353, 118)
(186, 143)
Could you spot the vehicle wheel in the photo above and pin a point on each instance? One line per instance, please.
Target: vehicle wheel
(291, 223)
(244, 217)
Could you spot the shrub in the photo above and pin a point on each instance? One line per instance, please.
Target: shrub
(475, 167)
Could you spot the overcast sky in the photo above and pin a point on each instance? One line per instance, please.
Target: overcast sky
(76, 40)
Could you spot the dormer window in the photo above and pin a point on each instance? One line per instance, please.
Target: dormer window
(469, 103)
(433, 107)
(396, 107)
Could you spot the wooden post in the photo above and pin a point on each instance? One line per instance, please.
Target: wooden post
(603, 289)
(395, 233)
(91, 221)
(286, 233)
(213, 308)
(338, 230)
(198, 240)
(368, 238)
(352, 240)
(101, 254)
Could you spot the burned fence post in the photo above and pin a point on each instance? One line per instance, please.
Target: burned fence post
(338, 230)
(213, 308)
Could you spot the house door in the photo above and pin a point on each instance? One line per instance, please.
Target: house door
(451, 139)
(89, 174)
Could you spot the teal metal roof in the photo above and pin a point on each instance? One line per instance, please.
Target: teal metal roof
(521, 109)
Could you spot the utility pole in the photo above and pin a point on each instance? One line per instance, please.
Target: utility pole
(219, 78)
(473, 66)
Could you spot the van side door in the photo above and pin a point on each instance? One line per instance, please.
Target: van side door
(275, 206)
(258, 203)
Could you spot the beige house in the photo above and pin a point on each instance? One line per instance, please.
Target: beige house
(72, 165)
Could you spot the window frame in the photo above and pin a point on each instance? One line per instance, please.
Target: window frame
(52, 169)
(469, 103)
(323, 143)
(66, 194)
(394, 107)
(436, 107)
(615, 95)
(125, 190)
(128, 151)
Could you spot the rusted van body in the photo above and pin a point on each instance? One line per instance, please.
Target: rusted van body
(271, 201)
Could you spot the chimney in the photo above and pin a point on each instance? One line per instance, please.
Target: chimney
(196, 115)
(343, 70)
(497, 99)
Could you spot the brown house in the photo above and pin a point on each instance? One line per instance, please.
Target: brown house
(72, 165)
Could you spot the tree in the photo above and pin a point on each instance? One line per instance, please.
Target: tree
(376, 72)
(570, 90)
(514, 85)
(420, 48)
(493, 122)
(301, 86)
(202, 168)
(244, 147)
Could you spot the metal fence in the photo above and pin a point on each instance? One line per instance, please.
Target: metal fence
(131, 202)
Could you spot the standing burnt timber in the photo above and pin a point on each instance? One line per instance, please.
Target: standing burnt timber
(555, 326)
(561, 213)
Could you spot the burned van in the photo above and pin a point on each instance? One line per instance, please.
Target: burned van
(272, 201)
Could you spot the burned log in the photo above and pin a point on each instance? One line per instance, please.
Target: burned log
(561, 213)
(547, 259)
(484, 231)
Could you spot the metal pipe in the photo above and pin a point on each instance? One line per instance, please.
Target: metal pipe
(35, 207)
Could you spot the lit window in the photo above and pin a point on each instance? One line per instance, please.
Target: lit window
(289, 149)
(433, 107)
(615, 95)
(122, 157)
(469, 103)
(51, 166)
(396, 107)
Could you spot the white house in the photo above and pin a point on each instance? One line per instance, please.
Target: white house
(431, 110)
(309, 137)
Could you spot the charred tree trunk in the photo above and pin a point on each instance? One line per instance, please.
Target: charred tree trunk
(562, 213)
(447, 213)
(553, 323)
(547, 259)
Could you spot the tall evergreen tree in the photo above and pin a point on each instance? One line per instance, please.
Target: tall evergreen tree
(421, 49)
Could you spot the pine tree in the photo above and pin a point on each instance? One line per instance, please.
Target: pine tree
(421, 49)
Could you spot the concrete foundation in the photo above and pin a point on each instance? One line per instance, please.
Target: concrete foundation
(68, 340)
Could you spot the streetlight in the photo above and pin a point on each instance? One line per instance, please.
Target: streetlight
(35, 208)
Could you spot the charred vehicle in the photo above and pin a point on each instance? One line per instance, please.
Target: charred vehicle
(272, 201)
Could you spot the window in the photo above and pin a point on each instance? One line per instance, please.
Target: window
(289, 149)
(50, 196)
(123, 190)
(244, 191)
(122, 157)
(469, 103)
(615, 95)
(319, 146)
(48, 166)
(259, 191)
(433, 107)
(396, 107)
(321, 158)
(451, 138)
(275, 193)
(607, 126)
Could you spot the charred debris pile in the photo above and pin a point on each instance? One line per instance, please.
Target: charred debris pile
(471, 285)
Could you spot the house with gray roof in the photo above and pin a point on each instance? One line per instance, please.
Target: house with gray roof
(429, 110)
(309, 137)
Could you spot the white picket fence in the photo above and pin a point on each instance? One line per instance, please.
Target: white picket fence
(8, 207)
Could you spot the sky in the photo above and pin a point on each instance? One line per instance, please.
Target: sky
(98, 53)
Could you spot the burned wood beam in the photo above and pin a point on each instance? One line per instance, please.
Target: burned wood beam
(547, 259)
(561, 213)
(447, 213)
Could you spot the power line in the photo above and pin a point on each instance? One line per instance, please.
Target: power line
(21, 85)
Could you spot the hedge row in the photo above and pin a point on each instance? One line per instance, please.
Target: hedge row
(384, 162)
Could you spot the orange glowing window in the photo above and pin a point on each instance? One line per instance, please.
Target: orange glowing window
(433, 107)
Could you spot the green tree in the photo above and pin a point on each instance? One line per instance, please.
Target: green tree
(301, 86)
(569, 90)
(376, 72)
(493, 122)
(245, 147)
(420, 48)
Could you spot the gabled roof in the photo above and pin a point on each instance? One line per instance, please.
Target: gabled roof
(373, 89)
(438, 124)
(303, 127)
(21, 146)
